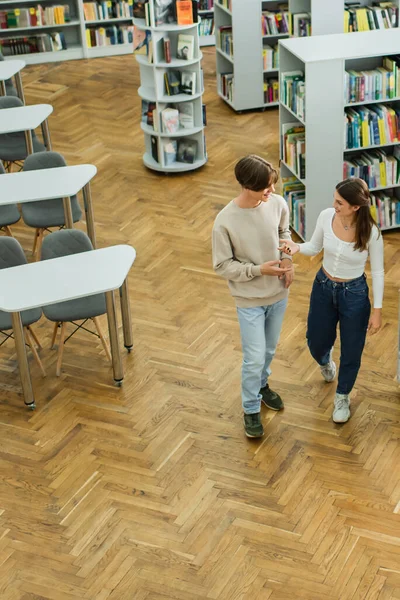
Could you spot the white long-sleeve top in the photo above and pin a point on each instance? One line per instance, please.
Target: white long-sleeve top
(341, 260)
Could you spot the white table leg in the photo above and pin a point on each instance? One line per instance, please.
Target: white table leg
(69, 221)
(126, 316)
(113, 332)
(46, 135)
(20, 347)
(18, 83)
(29, 142)
(87, 200)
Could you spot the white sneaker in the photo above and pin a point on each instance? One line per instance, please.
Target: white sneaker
(328, 371)
(341, 411)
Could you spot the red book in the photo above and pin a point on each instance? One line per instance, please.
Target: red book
(167, 50)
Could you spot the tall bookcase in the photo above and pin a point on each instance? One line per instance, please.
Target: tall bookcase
(74, 32)
(153, 90)
(324, 60)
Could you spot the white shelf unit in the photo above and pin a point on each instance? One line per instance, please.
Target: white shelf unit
(324, 60)
(152, 89)
(74, 33)
(207, 40)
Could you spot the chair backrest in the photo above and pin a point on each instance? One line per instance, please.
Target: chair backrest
(44, 160)
(11, 253)
(10, 102)
(64, 243)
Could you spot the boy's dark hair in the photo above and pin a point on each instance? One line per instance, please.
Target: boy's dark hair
(254, 173)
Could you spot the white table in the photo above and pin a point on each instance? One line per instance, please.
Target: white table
(46, 184)
(67, 278)
(8, 69)
(27, 118)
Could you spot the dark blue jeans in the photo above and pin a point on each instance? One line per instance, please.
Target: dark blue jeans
(346, 303)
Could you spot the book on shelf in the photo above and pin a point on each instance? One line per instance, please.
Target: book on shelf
(154, 147)
(164, 12)
(270, 57)
(186, 115)
(148, 109)
(292, 92)
(187, 150)
(109, 36)
(139, 9)
(34, 16)
(188, 83)
(377, 168)
(271, 90)
(172, 81)
(204, 114)
(301, 24)
(45, 42)
(206, 26)
(225, 3)
(225, 39)
(385, 208)
(373, 125)
(167, 49)
(294, 193)
(294, 148)
(170, 120)
(380, 15)
(382, 83)
(105, 10)
(275, 22)
(206, 4)
(170, 148)
(184, 12)
(185, 47)
(226, 82)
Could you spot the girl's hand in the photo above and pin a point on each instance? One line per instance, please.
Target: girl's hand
(375, 322)
(289, 247)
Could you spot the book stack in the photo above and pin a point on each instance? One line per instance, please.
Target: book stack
(300, 24)
(275, 22)
(109, 36)
(382, 83)
(270, 58)
(225, 40)
(271, 91)
(206, 26)
(293, 92)
(373, 125)
(46, 42)
(381, 15)
(376, 167)
(34, 16)
(385, 208)
(294, 193)
(294, 148)
(104, 10)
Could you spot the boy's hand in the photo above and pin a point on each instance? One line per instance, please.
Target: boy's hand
(271, 268)
(289, 275)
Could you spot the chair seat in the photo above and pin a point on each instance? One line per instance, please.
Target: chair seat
(27, 316)
(9, 214)
(49, 213)
(13, 146)
(76, 310)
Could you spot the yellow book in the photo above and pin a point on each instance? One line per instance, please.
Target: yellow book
(365, 133)
(346, 21)
(382, 170)
(88, 40)
(382, 133)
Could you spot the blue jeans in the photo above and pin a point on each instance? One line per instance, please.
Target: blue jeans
(260, 328)
(346, 303)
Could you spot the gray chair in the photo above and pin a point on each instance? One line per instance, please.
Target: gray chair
(10, 89)
(12, 255)
(9, 214)
(13, 145)
(45, 214)
(64, 243)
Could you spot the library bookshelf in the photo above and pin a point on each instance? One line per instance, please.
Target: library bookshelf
(74, 32)
(206, 22)
(324, 61)
(153, 91)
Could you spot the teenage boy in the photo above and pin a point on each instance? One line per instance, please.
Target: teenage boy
(245, 242)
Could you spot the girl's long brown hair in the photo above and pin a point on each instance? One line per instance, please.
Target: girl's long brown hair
(355, 191)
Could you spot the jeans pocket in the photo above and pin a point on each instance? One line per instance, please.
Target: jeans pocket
(360, 289)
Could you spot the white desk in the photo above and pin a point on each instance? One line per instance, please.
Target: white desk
(27, 118)
(46, 184)
(8, 69)
(67, 278)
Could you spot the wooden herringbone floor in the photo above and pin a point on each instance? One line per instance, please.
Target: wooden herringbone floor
(152, 492)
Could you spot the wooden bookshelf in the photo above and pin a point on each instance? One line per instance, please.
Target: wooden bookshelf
(324, 61)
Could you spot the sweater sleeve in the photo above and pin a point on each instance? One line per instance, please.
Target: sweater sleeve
(377, 266)
(224, 262)
(315, 245)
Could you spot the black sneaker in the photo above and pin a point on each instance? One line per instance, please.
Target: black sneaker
(253, 426)
(271, 399)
